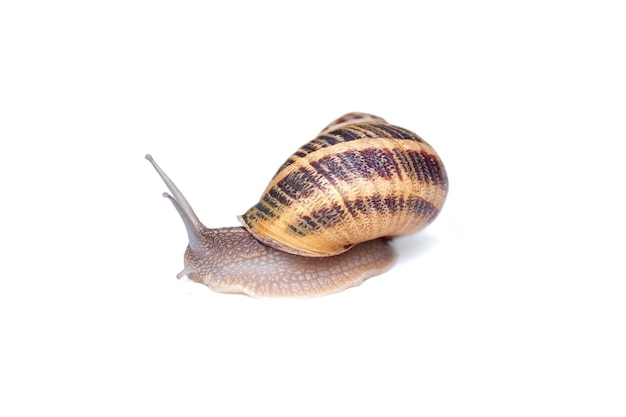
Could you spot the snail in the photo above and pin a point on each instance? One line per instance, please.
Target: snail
(324, 222)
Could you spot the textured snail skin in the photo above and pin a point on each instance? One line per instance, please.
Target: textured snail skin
(359, 183)
(359, 180)
(232, 261)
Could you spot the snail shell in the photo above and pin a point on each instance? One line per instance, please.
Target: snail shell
(360, 182)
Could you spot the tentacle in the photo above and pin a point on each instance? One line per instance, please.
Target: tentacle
(195, 237)
(178, 196)
(192, 223)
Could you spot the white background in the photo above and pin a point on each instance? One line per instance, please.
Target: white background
(512, 303)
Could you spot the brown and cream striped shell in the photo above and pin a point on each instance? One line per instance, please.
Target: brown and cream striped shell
(360, 179)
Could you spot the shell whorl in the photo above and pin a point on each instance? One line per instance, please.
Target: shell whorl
(359, 179)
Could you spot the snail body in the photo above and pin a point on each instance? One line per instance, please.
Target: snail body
(324, 221)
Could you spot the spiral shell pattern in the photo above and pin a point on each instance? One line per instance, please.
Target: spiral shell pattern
(360, 179)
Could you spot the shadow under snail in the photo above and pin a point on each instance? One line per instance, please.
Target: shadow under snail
(324, 222)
